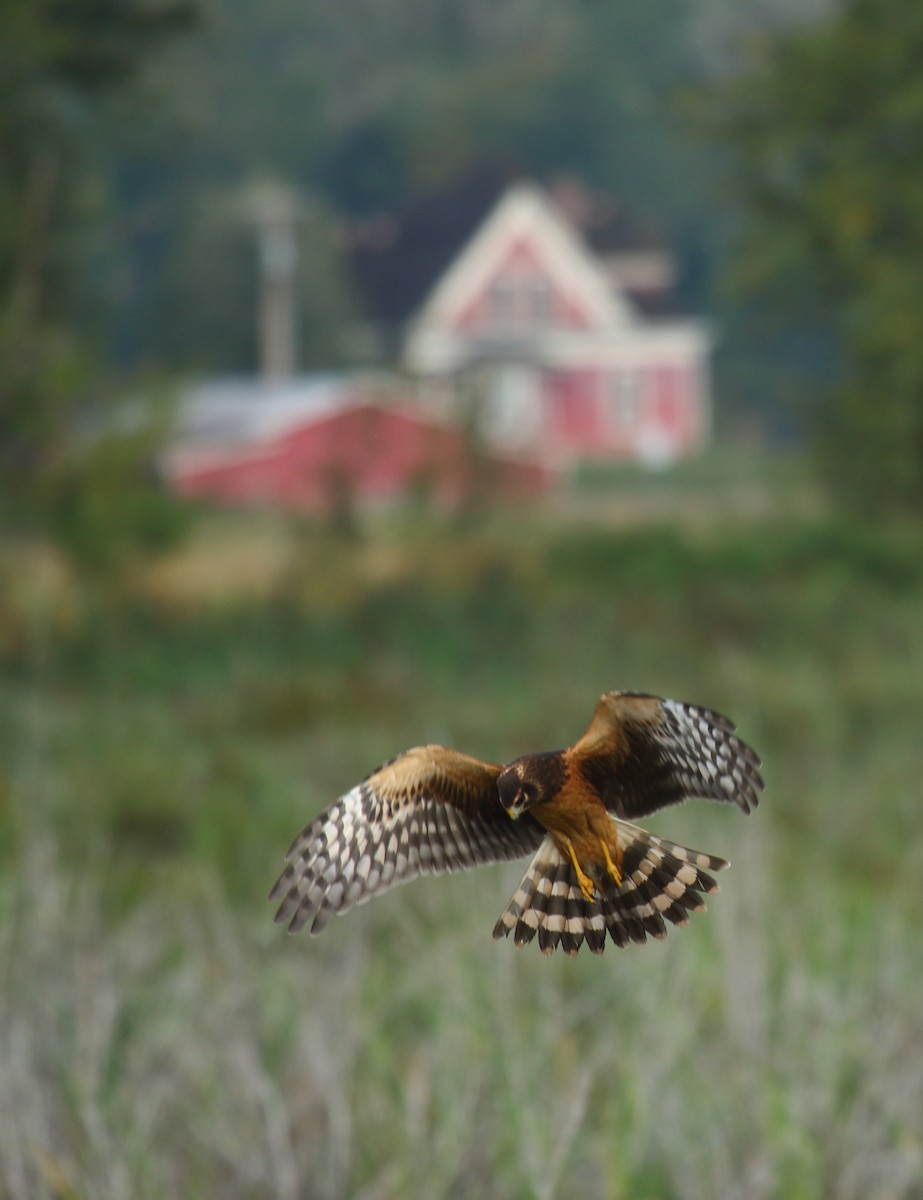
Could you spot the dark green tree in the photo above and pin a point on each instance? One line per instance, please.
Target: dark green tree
(826, 134)
(359, 106)
(59, 59)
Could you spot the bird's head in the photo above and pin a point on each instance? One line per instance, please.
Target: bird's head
(523, 784)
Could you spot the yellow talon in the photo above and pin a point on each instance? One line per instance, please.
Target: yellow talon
(586, 883)
(613, 870)
(586, 886)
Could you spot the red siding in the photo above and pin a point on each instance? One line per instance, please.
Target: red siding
(666, 400)
(675, 401)
(520, 268)
(364, 452)
(575, 425)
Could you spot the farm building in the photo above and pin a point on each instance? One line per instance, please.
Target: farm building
(323, 442)
(548, 312)
(519, 331)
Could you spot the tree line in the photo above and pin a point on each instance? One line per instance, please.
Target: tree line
(779, 158)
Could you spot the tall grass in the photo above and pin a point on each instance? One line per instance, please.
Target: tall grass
(160, 1037)
(181, 1051)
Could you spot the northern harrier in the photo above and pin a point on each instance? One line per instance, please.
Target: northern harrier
(432, 810)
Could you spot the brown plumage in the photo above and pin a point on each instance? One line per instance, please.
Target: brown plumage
(594, 872)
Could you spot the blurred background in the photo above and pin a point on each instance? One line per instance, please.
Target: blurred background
(393, 371)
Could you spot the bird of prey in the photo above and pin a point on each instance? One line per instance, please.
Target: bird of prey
(594, 872)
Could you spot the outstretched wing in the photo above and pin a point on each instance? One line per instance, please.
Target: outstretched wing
(642, 753)
(427, 811)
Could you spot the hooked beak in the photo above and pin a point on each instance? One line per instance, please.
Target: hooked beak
(517, 808)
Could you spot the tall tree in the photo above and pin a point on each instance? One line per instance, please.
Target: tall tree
(58, 58)
(361, 105)
(826, 132)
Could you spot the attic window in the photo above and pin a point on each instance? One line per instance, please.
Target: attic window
(540, 301)
(502, 302)
(521, 303)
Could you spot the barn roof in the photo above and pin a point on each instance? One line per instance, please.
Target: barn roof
(241, 410)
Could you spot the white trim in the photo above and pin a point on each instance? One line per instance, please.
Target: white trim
(522, 211)
(435, 350)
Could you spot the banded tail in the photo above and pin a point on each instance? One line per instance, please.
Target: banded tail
(661, 882)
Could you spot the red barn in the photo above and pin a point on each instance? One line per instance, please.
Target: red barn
(325, 441)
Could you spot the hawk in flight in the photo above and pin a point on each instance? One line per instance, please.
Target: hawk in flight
(593, 871)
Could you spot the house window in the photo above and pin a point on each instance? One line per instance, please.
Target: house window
(503, 302)
(625, 399)
(522, 303)
(540, 301)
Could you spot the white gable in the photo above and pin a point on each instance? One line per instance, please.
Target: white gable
(524, 213)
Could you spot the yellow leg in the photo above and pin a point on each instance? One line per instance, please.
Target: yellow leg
(586, 883)
(613, 870)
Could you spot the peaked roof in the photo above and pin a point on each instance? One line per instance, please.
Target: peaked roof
(525, 212)
(396, 259)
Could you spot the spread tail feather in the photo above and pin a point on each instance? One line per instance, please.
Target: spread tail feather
(661, 882)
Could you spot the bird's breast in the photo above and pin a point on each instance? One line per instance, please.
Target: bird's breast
(576, 812)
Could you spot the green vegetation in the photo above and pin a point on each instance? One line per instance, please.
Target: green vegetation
(824, 131)
(132, 133)
(166, 728)
(359, 109)
(59, 62)
(159, 1037)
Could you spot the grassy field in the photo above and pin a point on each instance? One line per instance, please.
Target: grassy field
(162, 741)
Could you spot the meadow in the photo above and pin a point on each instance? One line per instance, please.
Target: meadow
(165, 736)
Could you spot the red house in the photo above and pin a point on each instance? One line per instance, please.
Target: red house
(546, 318)
(533, 331)
(322, 442)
